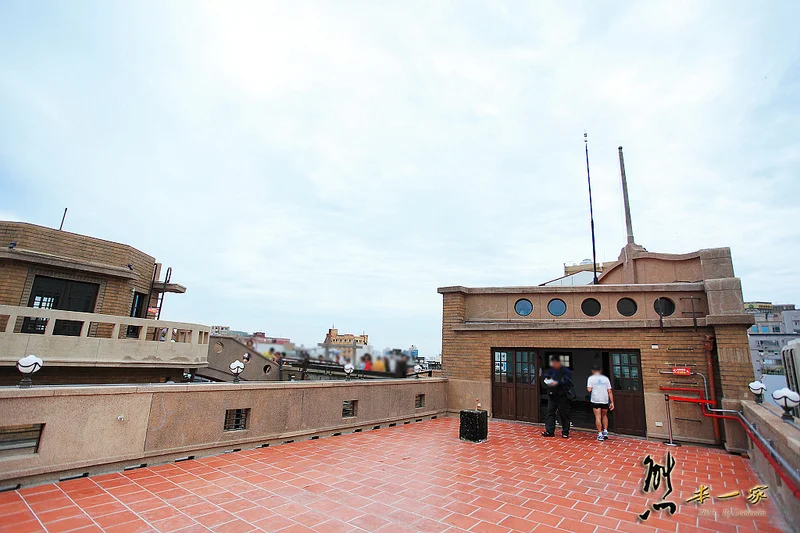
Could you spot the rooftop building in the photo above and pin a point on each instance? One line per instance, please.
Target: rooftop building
(91, 309)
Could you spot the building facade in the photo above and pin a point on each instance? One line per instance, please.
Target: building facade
(775, 325)
(649, 313)
(89, 307)
(346, 343)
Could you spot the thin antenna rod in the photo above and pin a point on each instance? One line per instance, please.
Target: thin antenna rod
(62, 219)
(591, 209)
(628, 223)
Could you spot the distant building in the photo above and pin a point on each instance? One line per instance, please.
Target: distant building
(791, 321)
(344, 342)
(584, 266)
(220, 330)
(757, 307)
(259, 342)
(776, 325)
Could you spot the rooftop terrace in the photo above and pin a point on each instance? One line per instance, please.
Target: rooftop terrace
(416, 477)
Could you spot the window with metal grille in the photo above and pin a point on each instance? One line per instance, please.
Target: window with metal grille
(20, 440)
(419, 401)
(349, 408)
(236, 419)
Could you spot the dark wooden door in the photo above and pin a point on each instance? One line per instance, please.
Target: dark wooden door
(515, 389)
(628, 414)
(526, 385)
(503, 398)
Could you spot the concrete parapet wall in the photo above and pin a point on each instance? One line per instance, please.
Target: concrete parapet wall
(101, 429)
(785, 438)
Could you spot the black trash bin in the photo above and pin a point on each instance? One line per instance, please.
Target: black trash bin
(474, 425)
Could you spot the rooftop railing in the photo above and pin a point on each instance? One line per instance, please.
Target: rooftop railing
(69, 338)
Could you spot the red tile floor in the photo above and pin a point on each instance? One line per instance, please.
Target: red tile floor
(417, 477)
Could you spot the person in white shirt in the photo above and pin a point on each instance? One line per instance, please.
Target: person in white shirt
(602, 400)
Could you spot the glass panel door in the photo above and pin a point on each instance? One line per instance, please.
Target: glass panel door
(503, 367)
(625, 371)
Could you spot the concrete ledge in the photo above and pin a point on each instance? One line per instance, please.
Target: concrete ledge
(500, 325)
(722, 320)
(644, 287)
(785, 438)
(68, 263)
(99, 390)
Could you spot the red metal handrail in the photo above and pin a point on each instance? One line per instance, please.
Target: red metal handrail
(740, 418)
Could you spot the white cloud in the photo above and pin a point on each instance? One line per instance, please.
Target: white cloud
(306, 164)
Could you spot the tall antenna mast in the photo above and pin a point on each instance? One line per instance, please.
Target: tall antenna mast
(591, 210)
(62, 220)
(628, 223)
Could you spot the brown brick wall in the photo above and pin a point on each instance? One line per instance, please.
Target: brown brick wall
(735, 364)
(12, 281)
(467, 354)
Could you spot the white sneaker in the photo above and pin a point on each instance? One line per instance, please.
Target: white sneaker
(600, 437)
(605, 434)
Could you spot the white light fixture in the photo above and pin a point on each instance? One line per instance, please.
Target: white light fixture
(27, 366)
(758, 389)
(236, 367)
(788, 400)
(348, 369)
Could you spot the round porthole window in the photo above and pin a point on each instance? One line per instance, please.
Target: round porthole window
(523, 307)
(664, 306)
(218, 347)
(590, 307)
(556, 307)
(626, 307)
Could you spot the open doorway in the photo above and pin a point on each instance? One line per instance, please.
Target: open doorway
(580, 363)
(518, 394)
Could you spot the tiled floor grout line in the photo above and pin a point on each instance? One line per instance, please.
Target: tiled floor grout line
(79, 507)
(485, 478)
(31, 510)
(233, 493)
(190, 517)
(256, 486)
(140, 517)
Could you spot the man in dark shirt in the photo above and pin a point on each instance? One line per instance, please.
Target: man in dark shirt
(557, 383)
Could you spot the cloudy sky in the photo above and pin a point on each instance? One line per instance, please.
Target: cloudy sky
(304, 164)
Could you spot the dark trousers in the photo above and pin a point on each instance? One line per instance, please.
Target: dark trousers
(561, 404)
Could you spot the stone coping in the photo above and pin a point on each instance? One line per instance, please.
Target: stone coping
(786, 435)
(103, 390)
(617, 288)
(21, 311)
